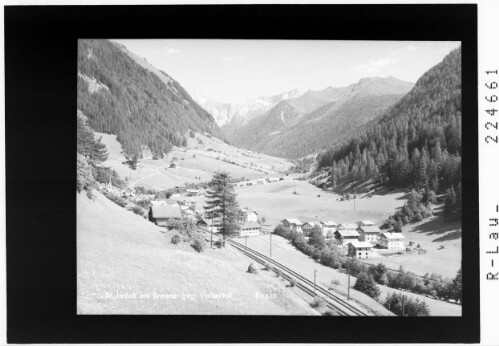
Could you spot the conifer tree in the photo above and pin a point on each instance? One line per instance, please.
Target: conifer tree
(221, 203)
(450, 204)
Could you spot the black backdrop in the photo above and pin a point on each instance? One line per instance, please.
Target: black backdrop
(40, 79)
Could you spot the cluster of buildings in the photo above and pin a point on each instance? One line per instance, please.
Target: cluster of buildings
(163, 212)
(258, 182)
(359, 237)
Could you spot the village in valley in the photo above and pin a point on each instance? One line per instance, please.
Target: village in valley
(195, 223)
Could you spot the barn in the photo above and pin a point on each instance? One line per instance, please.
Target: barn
(162, 213)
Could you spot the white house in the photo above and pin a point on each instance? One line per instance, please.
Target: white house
(248, 215)
(292, 224)
(344, 236)
(359, 249)
(369, 233)
(192, 192)
(346, 226)
(366, 223)
(392, 240)
(249, 229)
(328, 227)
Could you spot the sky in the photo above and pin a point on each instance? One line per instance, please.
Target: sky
(232, 71)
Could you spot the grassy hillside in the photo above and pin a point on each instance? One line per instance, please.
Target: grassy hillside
(196, 163)
(144, 109)
(124, 263)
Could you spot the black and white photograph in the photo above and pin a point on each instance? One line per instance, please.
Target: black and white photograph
(269, 177)
(250, 173)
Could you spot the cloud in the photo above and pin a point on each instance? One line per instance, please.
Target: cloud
(170, 50)
(374, 67)
(233, 58)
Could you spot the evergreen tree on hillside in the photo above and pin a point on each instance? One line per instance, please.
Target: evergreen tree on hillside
(450, 206)
(90, 153)
(416, 143)
(135, 104)
(221, 203)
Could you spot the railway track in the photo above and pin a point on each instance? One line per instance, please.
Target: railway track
(336, 303)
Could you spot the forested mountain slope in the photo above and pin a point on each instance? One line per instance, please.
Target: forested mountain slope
(317, 119)
(416, 143)
(144, 109)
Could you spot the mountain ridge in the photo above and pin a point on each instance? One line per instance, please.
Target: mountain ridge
(275, 131)
(143, 106)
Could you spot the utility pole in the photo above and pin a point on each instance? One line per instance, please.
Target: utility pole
(315, 277)
(354, 203)
(348, 291)
(270, 245)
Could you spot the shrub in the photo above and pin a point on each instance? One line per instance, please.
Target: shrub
(176, 239)
(328, 313)
(318, 303)
(329, 257)
(269, 267)
(402, 305)
(377, 272)
(292, 282)
(317, 238)
(144, 203)
(198, 245)
(282, 231)
(137, 210)
(117, 199)
(366, 284)
(355, 266)
(185, 227)
(252, 269)
(335, 282)
(316, 254)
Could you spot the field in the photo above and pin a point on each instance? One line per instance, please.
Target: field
(277, 201)
(284, 252)
(126, 265)
(202, 157)
(432, 234)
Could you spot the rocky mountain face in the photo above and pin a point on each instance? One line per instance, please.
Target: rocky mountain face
(302, 125)
(230, 116)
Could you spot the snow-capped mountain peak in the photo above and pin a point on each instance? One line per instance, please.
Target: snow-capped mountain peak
(225, 112)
